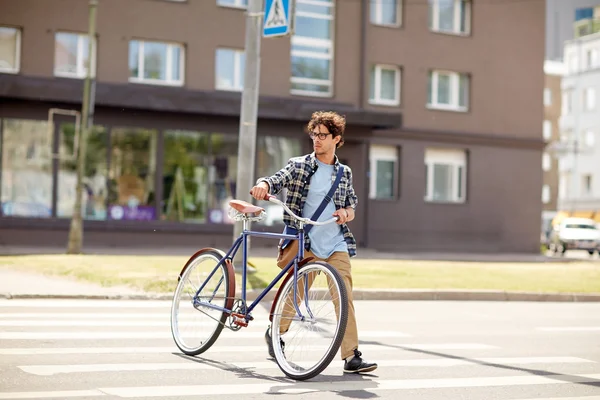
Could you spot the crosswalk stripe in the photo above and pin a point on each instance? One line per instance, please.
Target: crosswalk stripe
(162, 334)
(228, 349)
(91, 323)
(584, 397)
(309, 387)
(58, 394)
(47, 370)
(569, 328)
(82, 303)
(92, 316)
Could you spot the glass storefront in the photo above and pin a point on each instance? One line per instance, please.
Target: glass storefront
(272, 154)
(93, 202)
(132, 174)
(26, 169)
(193, 172)
(185, 176)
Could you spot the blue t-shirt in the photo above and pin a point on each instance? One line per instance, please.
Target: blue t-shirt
(325, 239)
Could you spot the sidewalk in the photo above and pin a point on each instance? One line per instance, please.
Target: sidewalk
(18, 285)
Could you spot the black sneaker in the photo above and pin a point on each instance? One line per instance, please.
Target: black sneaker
(357, 365)
(270, 343)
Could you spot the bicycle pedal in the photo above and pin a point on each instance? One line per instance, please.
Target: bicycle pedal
(239, 320)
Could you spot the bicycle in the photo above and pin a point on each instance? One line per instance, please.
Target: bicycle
(291, 321)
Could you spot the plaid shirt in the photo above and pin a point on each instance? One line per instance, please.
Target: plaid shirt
(295, 177)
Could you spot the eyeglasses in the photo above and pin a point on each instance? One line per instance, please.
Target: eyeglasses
(321, 136)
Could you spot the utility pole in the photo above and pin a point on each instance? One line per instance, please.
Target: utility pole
(249, 109)
(87, 110)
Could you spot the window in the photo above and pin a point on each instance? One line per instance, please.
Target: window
(590, 138)
(386, 12)
(71, 55)
(95, 193)
(567, 106)
(593, 58)
(450, 16)
(186, 176)
(383, 160)
(563, 185)
(547, 97)
(132, 170)
(312, 48)
(546, 194)
(587, 184)
(233, 3)
(547, 130)
(222, 174)
(156, 62)
(445, 175)
(10, 49)
(385, 85)
(589, 99)
(448, 90)
(573, 63)
(546, 162)
(229, 67)
(26, 168)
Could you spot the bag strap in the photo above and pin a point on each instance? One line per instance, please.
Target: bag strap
(327, 198)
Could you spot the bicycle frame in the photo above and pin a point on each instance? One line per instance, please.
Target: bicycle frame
(242, 241)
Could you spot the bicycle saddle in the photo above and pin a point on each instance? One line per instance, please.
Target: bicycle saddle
(246, 208)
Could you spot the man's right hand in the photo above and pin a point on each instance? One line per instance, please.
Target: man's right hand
(260, 191)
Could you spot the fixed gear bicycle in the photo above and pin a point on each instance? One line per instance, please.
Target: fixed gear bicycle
(308, 314)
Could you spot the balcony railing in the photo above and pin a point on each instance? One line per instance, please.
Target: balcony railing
(587, 26)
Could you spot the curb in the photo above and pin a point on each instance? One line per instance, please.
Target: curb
(358, 294)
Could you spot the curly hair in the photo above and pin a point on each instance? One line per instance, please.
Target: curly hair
(335, 123)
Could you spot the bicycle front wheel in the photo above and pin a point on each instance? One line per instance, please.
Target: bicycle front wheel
(197, 318)
(305, 345)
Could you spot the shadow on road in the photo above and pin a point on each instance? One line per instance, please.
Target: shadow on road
(549, 374)
(289, 386)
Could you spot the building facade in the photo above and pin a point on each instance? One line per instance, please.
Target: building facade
(560, 19)
(580, 128)
(554, 71)
(445, 155)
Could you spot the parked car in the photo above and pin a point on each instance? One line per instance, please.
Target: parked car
(575, 234)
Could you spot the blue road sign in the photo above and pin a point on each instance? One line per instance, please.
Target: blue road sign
(278, 18)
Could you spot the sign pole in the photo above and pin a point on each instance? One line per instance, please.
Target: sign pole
(249, 110)
(276, 21)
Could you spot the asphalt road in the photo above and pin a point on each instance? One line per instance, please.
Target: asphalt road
(90, 349)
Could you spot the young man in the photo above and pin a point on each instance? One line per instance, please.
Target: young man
(308, 179)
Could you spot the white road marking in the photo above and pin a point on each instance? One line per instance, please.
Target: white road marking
(569, 328)
(45, 395)
(81, 303)
(226, 349)
(162, 334)
(584, 397)
(47, 370)
(93, 316)
(304, 387)
(48, 323)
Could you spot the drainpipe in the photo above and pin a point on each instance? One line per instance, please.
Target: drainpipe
(362, 53)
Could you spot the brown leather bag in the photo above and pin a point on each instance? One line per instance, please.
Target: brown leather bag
(284, 256)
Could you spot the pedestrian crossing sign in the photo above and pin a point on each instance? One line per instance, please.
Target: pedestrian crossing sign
(278, 18)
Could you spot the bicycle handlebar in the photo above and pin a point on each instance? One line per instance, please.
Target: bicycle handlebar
(275, 200)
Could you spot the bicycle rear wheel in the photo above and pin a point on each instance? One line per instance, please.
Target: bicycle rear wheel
(305, 346)
(195, 325)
